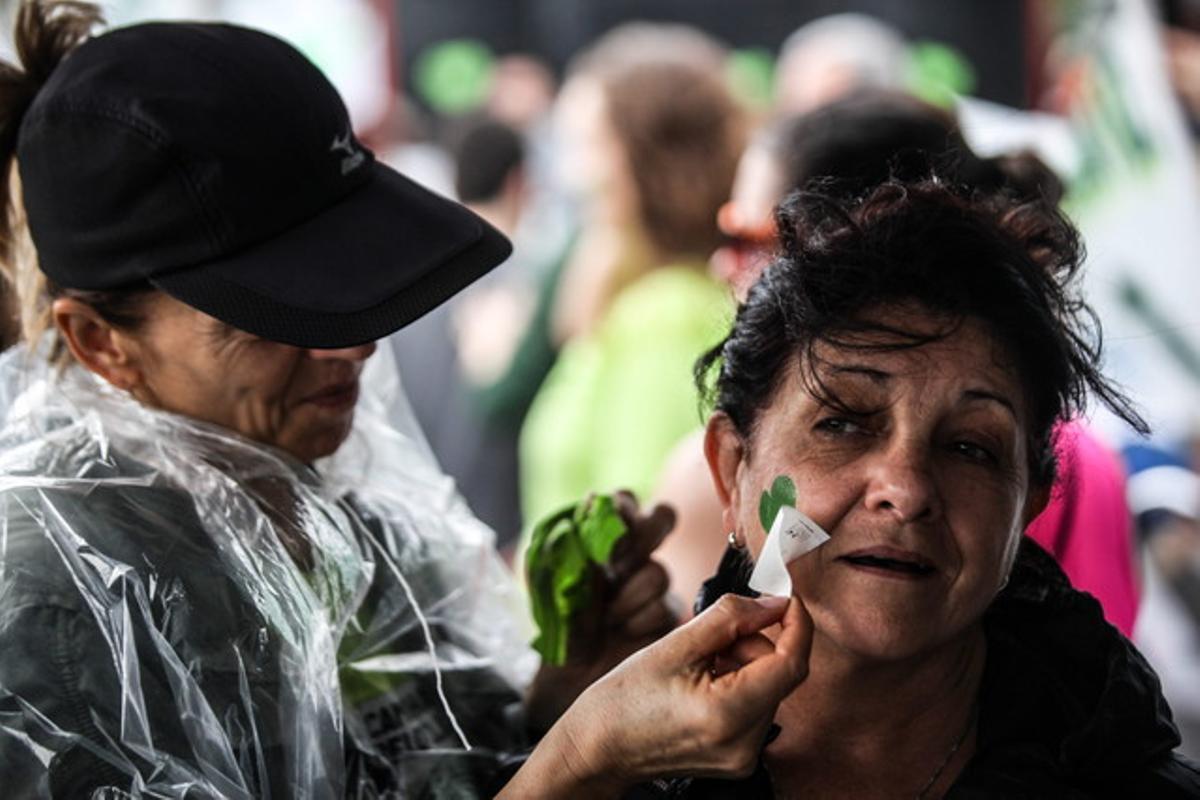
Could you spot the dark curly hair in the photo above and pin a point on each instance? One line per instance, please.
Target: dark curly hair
(958, 252)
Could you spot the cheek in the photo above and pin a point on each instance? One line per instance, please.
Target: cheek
(984, 520)
(249, 389)
(256, 393)
(826, 495)
(193, 388)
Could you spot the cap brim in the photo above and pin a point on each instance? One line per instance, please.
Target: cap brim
(383, 256)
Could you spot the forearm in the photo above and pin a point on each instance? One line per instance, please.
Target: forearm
(559, 767)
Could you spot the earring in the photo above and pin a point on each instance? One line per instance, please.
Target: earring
(735, 542)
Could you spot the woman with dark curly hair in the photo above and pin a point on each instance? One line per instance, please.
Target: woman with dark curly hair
(850, 146)
(901, 367)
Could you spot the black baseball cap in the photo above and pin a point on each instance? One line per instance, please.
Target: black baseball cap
(218, 164)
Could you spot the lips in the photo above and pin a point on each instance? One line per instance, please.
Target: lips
(335, 396)
(890, 562)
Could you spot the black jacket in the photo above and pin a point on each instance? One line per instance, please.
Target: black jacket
(1068, 707)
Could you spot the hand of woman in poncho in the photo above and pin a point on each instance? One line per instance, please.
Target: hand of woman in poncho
(697, 702)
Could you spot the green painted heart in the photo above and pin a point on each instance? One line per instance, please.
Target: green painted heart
(782, 493)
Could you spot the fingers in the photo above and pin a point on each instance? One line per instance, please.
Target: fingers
(646, 532)
(769, 677)
(794, 642)
(747, 649)
(648, 584)
(627, 504)
(650, 622)
(725, 622)
(640, 608)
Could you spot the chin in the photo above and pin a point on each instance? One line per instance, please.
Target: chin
(874, 636)
(320, 443)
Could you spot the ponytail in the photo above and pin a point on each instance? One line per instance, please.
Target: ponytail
(46, 32)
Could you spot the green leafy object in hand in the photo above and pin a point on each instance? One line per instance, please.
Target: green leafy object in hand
(545, 549)
(782, 493)
(600, 527)
(569, 589)
(563, 549)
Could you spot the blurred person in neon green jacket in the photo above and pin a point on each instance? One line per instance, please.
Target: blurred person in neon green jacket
(659, 134)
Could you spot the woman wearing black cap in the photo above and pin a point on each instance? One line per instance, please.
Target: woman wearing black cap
(221, 575)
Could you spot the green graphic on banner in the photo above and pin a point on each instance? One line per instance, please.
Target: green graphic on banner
(453, 76)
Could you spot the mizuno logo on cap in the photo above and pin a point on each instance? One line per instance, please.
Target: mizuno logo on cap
(353, 158)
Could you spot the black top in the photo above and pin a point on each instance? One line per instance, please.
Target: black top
(1068, 707)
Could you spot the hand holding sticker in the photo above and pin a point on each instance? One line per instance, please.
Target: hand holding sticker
(790, 534)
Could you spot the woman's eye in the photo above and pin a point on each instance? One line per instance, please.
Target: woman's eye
(838, 425)
(973, 451)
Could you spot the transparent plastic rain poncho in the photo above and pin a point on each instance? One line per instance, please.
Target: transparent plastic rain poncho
(184, 613)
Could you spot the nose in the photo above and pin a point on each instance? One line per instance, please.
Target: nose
(736, 223)
(901, 483)
(359, 352)
(728, 220)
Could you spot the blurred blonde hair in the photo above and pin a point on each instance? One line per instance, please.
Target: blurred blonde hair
(681, 132)
(677, 124)
(30, 287)
(655, 42)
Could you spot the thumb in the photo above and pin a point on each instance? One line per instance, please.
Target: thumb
(646, 532)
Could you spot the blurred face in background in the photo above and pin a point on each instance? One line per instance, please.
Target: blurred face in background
(521, 91)
(747, 221)
(815, 76)
(591, 163)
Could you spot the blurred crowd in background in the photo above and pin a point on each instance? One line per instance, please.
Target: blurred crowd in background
(635, 160)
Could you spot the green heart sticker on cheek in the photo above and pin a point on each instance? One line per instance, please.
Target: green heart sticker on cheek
(782, 493)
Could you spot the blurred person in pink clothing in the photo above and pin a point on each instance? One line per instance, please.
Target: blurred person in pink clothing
(848, 146)
(1088, 527)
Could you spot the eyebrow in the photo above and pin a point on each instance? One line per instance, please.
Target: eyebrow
(874, 375)
(879, 376)
(983, 394)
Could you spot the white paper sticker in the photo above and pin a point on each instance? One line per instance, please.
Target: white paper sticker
(792, 535)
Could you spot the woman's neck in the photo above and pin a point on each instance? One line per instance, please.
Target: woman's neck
(863, 729)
